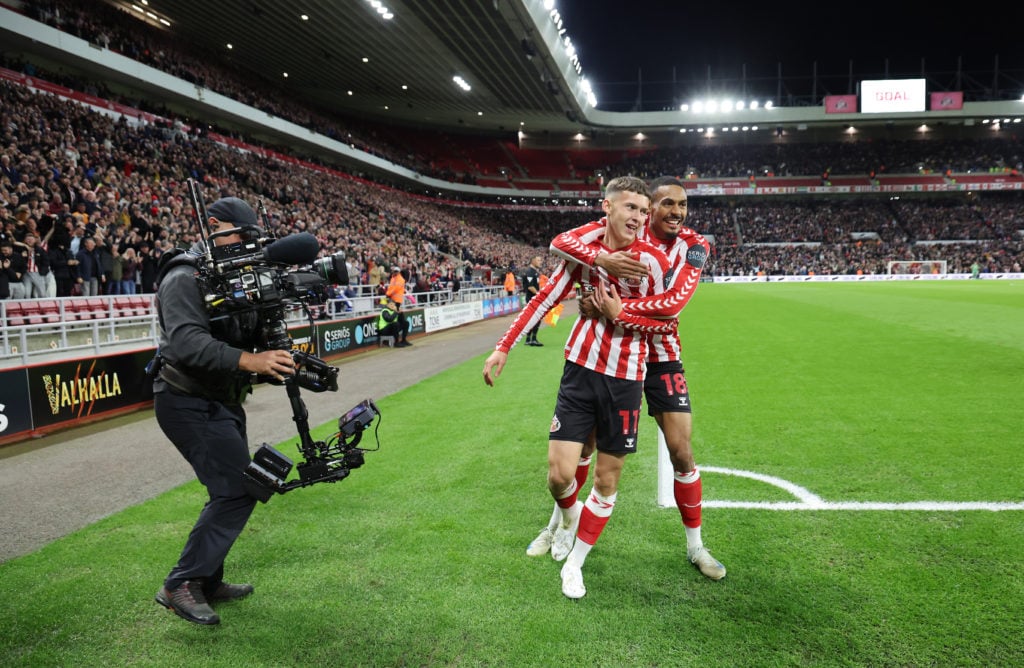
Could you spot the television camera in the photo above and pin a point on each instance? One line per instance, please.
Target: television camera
(253, 276)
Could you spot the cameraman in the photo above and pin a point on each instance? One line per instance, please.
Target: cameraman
(392, 322)
(204, 376)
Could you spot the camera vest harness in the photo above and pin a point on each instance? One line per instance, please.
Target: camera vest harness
(238, 327)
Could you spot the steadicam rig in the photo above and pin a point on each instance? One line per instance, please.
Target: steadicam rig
(324, 461)
(253, 276)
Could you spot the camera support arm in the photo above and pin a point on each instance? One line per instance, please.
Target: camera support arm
(199, 206)
(300, 415)
(323, 461)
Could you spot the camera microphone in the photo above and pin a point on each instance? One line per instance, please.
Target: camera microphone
(301, 248)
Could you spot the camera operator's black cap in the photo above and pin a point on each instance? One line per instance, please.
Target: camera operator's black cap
(232, 210)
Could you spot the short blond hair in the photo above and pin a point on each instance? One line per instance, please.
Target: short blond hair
(627, 184)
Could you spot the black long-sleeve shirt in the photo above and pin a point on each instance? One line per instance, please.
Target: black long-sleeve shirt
(207, 350)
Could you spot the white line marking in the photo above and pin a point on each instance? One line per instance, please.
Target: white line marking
(809, 501)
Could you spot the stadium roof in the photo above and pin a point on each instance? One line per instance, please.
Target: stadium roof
(349, 57)
(397, 60)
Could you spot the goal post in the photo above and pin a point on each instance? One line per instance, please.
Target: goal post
(666, 474)
(916, 267)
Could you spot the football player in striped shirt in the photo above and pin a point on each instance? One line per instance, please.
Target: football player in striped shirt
(668, 399)
(602, 380)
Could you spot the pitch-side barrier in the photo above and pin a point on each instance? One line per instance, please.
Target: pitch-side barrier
(94, 373)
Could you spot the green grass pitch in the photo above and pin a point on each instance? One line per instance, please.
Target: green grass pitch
(891, 394)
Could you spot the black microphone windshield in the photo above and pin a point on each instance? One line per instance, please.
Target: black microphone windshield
(301, 248)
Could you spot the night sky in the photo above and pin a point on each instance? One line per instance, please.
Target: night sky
(662, 41)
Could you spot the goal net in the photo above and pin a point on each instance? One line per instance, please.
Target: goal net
(916, 267)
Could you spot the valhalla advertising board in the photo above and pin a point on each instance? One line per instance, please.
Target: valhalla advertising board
(77, 390)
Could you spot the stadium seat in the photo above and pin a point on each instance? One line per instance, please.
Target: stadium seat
(50, 310)
(122, 307)
(97, 307)
(15, 314)
(33, 314)
(77, 308)
(140, 305)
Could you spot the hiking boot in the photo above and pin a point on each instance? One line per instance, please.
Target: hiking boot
(229, 592)
(709, 566)
(188, 602)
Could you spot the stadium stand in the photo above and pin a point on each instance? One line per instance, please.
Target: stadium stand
(384, 225)
(109, 165)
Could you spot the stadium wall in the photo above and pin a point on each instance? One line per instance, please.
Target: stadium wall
(45, 397)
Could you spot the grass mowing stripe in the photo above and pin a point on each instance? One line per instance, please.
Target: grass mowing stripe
(417, 558)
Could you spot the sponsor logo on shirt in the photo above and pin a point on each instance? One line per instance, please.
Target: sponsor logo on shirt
(696, 256)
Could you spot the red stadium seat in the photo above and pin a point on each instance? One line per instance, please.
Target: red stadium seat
(77, 308)
(50, 310)
(33, 314)
(97, 307)
(122, 307)
(15, 314)
(141, 305)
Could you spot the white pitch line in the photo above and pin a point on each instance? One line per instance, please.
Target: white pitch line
(809, 501)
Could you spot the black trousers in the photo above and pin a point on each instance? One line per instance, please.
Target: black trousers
(398, 329)
(212, 438)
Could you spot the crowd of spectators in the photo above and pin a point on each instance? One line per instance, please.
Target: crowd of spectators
(111, 28)
(68, 173)
(107, 26)
(856, 158)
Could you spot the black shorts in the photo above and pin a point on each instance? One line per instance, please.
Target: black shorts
(588, 400)
(665, 388)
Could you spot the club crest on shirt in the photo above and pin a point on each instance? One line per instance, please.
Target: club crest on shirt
(668, 277)
(696, 255)
(555, 424)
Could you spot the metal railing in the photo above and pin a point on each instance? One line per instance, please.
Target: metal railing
(111, 326)
(72, 326)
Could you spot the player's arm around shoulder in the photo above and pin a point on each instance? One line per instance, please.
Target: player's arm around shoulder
(676, 281)
(575, 245)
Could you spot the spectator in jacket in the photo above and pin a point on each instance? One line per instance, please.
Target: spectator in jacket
(90, 271)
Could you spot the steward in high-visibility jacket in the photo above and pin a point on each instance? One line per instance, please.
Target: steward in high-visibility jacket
(392, 322)
(510, 284)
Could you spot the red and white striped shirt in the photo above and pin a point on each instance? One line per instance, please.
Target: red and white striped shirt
(617, 348)
(686, 254)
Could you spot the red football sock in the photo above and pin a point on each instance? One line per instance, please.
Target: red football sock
(687, 490)
(596, 512)
(582, 470)
(569, 496)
